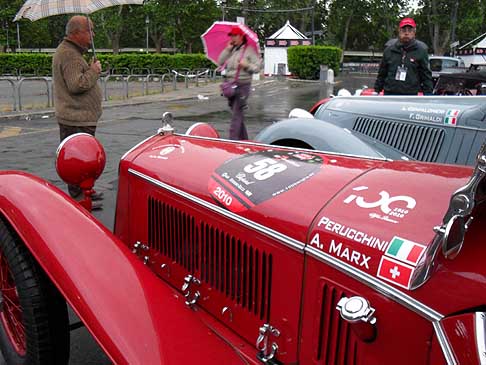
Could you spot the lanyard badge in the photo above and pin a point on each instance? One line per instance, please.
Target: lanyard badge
(401, 73)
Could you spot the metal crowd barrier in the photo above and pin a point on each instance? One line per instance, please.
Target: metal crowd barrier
(16, 88)
(37, 78)
(157, 78)
(145, 76)
(116, 77)
(139, 78)
(13, 84)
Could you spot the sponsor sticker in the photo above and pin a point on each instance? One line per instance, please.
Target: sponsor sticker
(386, 208)
(255, 177)
(163, 152)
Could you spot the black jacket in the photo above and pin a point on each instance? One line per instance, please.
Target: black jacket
(415, 59)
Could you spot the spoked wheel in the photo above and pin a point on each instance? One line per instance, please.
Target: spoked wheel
(34, 324)
(11, 313)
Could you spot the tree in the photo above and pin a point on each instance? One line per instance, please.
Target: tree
(445, 21)
(112, 23)
(8, 9)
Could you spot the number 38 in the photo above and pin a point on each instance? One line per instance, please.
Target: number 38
(264, 169)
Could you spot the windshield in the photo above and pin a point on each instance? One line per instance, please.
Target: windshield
(438, 64)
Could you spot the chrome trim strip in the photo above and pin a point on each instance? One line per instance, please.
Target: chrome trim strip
(444, 344)
(135, 147)
(290, 242)
(249, 143)
(481, 336)
(385, 289)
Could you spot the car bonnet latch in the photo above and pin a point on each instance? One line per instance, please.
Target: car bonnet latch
(267, 354)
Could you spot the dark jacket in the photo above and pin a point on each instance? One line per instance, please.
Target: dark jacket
(415, 58)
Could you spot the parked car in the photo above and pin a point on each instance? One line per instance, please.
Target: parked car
(472, 83)
(228, 252)
(446, 129)
(440, 65)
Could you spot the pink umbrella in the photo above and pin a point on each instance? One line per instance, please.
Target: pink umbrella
(216, 38)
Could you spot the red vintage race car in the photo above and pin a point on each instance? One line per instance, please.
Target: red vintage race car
(230, 252)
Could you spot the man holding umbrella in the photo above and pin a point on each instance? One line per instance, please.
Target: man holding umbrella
(76, 92)
(239, 62)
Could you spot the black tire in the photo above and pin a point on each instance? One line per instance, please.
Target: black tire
(36, 332)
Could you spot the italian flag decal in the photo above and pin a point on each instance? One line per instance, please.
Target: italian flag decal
(451, 116)
(398, 263)
(405, 250)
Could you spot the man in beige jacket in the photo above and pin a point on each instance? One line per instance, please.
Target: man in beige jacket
(77, 95)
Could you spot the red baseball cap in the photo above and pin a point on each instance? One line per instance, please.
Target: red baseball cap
(407, 22)
(236, 30)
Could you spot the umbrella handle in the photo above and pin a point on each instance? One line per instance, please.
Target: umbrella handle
(91, 37)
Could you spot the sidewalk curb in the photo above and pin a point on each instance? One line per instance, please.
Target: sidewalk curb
(147, 99)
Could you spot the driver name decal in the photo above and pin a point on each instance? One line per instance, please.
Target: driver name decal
(350, 233)
(251, 179)
(435, 115)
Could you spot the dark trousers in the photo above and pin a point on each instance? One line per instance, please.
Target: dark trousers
(66, 131)
(238, 105)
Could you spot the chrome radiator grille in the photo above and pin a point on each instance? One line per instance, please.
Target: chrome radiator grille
(419, 142)
(235, 268)
(336, 343)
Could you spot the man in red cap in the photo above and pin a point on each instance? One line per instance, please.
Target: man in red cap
(404, 68)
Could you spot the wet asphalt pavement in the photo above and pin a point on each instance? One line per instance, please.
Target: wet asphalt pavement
(29, 143)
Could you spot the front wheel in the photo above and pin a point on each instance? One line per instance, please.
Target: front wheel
(34, 322)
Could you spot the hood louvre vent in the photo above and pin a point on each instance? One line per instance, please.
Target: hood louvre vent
(235, 268)
(180, 241)
(336, 342)
(419, 142)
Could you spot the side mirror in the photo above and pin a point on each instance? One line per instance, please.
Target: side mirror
(300, 113)
(454, 236)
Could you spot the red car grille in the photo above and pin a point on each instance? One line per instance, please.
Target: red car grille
(337, 344)
(233, 267)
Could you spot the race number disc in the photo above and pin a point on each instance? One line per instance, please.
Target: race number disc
(251, 179)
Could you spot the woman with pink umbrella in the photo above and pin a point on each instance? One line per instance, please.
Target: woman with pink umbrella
(239, 61)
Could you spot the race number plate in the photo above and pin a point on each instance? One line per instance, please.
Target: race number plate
(251, 179)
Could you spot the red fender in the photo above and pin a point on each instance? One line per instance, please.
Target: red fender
(133, 315)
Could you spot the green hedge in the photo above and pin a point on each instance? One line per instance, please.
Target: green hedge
(25, 63)
(304, 61)
(40, 64)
